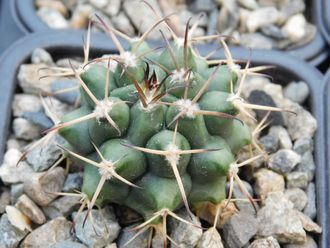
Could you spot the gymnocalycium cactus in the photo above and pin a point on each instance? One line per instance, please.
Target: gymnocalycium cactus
(161, 129)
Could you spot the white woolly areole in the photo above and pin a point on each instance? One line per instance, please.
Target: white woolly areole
(180, 42)
(135, 39)
(173, 156)
(102, 108)
(129, 59)
(234, 97)
(233, 169)
(106, 170)
(186, 106)
(178, 76)
(150, 105)
(235, 67)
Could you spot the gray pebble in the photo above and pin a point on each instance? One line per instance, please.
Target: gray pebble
(302, 145)
(256, 40)
(297, 91)
(284, 160)
(307, 165)
(185, 235)
(126, 235)
(105, 225)
(289, 8)
(141, 17)
(49, 234)
(44, 156)
(81, 14)
(260, 97)
(67, 97)
(4, 199)
(297, 196)
(25, 129)
(233, 233)
(62, 206)
(274, 32)
(68, 244)
(39, 118)
(30, 209)
(113, 245)
(122, 23)
(310, 243)
(98, 3)
(249, 4)
(270, 143)
(262, 17)
(212, 24)
(308, 224)
(52, 18)
(40, 55)
(73, 182)
(16, 191)
(113, 7)
(269, 242)
(310, 209)
(283, 136)
(244, 206)
(29, 78)
(210, 239)
(299, 125)
(198, 6)
(39, 186)
(10, 173)
(25, 103)
(297, 179)
(13, 143)
(58, 108)
(10, 236)
(278, 219)
(268, 181)
(157, 241)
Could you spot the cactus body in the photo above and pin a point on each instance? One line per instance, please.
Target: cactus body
(163, 137)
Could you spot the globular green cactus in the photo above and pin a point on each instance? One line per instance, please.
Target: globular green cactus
(160, 131)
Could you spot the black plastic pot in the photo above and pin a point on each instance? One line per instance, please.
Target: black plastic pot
(8, 26)
(314, 52)
(68, 43)
(323, 7)
(326, 103)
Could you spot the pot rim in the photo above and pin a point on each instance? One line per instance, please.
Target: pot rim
(314, 51)
(70, 42)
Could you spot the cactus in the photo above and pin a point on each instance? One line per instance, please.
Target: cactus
(160, 131)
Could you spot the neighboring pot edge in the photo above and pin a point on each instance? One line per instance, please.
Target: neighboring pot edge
(323, 19)
(326, 103)
(69, 43)
(314, 52)
(9, 27)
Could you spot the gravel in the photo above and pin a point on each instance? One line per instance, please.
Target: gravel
(297, 196)
(267, 24)
(233, 233)
(278, 219)
(285, 184)
(284, 160)
(30, 209)
(185, 235)
(101, 232)
(10, 236)
(267, 181)
(40, 187)
(49, 234)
